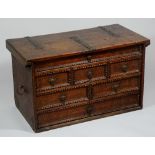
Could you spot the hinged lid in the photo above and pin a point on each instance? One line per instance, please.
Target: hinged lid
(38, 48)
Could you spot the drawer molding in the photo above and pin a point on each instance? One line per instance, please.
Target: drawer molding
(97, 62)
(71, 79)
(47, 91)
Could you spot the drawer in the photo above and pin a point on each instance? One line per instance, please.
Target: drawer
(61, 98)
(121, 68)
(85, 111)
(112, 88)
(89, 73)
(52, 80)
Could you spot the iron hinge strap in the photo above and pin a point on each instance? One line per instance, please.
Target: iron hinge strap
(34, 42)
(82, 42)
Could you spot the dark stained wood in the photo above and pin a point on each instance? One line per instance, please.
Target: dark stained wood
(72, 77)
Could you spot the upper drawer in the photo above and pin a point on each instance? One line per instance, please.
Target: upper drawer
(125, 67)
(42, 68)
(53, 80)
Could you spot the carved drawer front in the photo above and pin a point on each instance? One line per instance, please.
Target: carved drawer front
(52, 81)
(89, 73)
(121, 68)
(53, 117)
(61, 98)
(115, 87)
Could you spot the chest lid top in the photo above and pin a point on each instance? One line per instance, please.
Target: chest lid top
(38, 48)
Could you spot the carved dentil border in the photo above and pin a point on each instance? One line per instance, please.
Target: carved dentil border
(47, 91)
(132, 49)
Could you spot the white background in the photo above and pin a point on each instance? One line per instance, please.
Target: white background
(138, 123)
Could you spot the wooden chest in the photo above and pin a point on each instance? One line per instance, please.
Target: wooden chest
(67, 78)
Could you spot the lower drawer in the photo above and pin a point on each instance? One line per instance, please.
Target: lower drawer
(49, 118)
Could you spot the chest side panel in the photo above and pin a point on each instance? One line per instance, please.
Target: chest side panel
(23, 91)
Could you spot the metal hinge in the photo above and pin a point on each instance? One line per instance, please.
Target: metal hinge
(34, 42)
(109, 31)
(82, 42)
